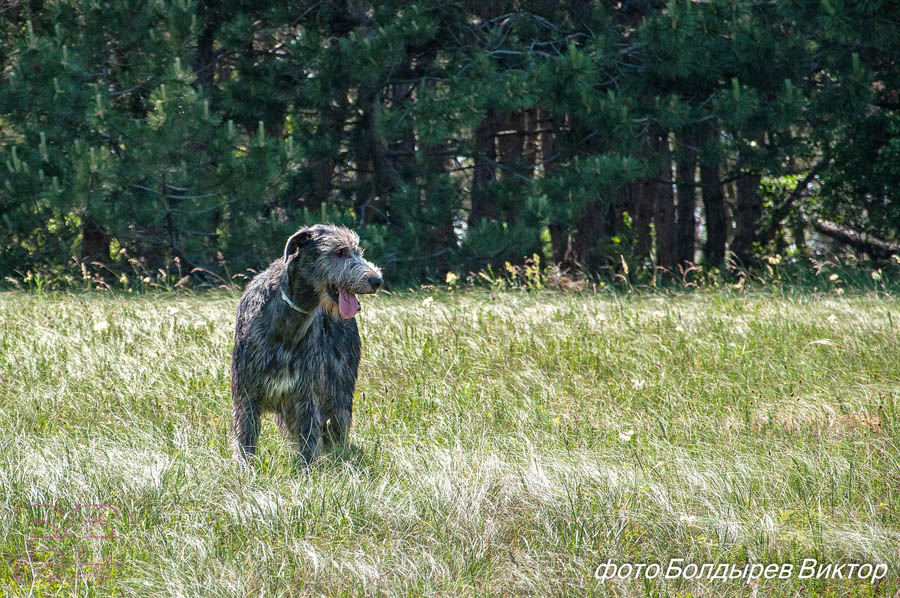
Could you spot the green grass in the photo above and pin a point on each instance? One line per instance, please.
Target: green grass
(502, 445)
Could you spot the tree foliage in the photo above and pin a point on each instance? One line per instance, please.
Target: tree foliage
(451, 135)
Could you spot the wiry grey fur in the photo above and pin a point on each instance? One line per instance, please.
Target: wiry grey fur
(300, 366)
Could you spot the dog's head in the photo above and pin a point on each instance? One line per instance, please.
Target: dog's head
(328, 259)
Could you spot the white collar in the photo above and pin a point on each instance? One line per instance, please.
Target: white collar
(291, 304)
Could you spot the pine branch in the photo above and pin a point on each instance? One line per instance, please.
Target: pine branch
(780, 212)
(875, 247)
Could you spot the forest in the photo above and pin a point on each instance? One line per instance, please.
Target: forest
(193, 136)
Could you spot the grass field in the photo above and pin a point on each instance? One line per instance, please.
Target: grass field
(502, 445)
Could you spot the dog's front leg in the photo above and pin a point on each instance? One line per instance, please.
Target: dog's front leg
(303, 423)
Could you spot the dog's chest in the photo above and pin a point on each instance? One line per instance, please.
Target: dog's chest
(289, 367)
(281, 384)
(303, 367)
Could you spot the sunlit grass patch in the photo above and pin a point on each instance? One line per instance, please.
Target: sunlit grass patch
(503, 444)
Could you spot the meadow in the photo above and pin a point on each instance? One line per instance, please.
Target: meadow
(503, 443)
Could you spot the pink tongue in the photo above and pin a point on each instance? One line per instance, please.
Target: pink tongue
(347, 304)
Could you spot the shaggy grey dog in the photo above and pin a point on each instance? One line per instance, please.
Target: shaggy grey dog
(296, 345)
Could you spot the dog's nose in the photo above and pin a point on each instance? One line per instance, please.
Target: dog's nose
(376, 282)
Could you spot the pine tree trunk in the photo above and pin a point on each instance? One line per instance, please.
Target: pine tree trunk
(516, 152)
(798, 235)
(714, 209)
(483, 205)
(365, 188)
(529, 129)
(322, 167)
(510, 137)
(593, 225)
(664, 213)
(320, 185)
(560, 246)
(687, 202)
(95, 242)
(747, 214)
(436, 164)
(643, 198)
(405, 145)
(204, 59)
(364, 165)
(531, 126)
(364, 147)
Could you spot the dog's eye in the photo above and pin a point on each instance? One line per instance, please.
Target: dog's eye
(343, 252)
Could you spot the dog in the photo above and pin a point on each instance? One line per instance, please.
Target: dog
(296, 343)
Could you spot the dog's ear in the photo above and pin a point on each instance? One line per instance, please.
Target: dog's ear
(297, 240)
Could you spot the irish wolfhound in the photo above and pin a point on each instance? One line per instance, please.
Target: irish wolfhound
(296, 346)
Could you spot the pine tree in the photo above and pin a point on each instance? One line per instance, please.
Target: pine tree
(451, 136)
